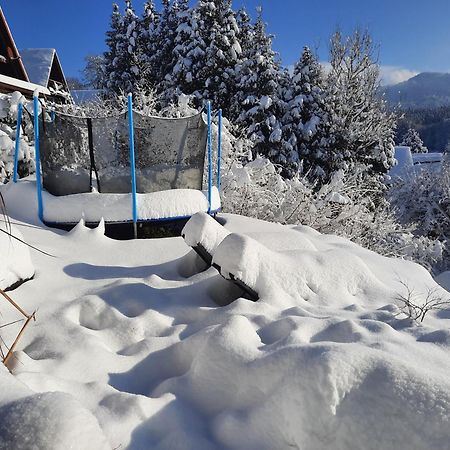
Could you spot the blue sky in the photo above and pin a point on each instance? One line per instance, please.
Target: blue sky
(412, 34)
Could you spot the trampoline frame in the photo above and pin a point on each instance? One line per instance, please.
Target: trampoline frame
(135, 218)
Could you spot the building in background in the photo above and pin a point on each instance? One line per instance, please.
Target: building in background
(30, 70)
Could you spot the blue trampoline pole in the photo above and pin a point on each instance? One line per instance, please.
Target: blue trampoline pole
(209, 159)
(17, 146)
(219, 148)
(132, 163)
(38, 157)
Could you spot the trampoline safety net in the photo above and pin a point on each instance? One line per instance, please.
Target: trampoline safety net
(82, 154)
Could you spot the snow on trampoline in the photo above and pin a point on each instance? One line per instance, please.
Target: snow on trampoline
(92, 207)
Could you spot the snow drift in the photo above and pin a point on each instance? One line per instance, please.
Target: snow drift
(15, 262)
(145, 358)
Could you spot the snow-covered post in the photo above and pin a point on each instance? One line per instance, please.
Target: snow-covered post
(209, 157)
(17, 143)
(38, 156)
(219, 147)
(132, 162)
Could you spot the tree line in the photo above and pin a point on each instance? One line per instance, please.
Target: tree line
(306, 120)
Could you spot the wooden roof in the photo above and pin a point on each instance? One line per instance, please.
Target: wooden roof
(10, 62)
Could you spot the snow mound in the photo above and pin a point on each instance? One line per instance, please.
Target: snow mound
(15, 262)
(51, 420)
(204, 230)
(323, 360)
(331, 272)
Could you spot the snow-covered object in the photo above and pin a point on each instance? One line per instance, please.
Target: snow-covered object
(335, 197)
(427, 158)
(117, 207)
(204, 230)
(361, 126)
(92, 207)
(15, 261)
(160, 365)
(8, 123)
(52, 420)
(404, 162)
(327, 274)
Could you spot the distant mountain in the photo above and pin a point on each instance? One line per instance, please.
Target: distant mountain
(426, 90)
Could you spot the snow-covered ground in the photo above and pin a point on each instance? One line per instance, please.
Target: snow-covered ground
(131, 349)
(15, 261)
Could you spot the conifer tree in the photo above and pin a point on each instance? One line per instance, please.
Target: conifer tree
(305, 123)
(245, 38)
(223, 52)
(206, 51)
(111, 56)
(147, 45)
(262, 107)
(412, 140)
(162, 56)
(123, 64)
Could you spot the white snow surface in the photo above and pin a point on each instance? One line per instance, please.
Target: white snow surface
(15, 261)
(93, 207)
(131, 347)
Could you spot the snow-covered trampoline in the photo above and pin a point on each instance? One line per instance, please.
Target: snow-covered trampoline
(127, 168)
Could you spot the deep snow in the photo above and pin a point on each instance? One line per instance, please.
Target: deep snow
(15, 261)
(131, 348)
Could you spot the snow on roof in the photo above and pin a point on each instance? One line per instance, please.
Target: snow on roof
(20, 85)
(38, 63)
(419, 158)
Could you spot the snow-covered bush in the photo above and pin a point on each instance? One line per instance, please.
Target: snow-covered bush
(423, 197)
(341, 206)
(143, 102)
(421, 200)
(8, 126)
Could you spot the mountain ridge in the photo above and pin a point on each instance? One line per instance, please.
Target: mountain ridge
(425, 90)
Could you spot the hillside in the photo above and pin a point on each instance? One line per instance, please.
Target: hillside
(134, 346)
(425, 90)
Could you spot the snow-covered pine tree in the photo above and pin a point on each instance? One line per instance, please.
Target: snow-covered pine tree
(305, 123)
(162, 57)
(146, 45)
(362, 130)
(223, 52)
(412, 140)
(111, 56)
(123, 61)
(245, 38)
(262, 105)
(206, 52)
(187, 49)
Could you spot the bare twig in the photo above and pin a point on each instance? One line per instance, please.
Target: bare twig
(13, 346)
(415, 306)
(5, 358)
